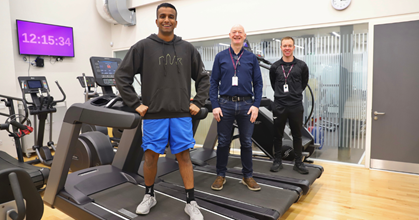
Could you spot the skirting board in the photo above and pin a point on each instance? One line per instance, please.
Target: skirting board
(395, 166)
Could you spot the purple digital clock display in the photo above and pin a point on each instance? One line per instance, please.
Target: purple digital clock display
(45, 39)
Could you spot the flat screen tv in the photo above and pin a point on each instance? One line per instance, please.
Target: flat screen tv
(44, 39)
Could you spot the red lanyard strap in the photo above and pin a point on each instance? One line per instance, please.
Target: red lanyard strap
(235, 64)
(283, 71)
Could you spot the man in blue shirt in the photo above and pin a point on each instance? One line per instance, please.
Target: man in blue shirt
(237, 79)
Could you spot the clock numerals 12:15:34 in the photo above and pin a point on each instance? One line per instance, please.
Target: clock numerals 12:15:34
(51, 40)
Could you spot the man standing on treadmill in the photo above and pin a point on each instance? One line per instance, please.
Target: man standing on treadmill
(166, 64)
(236, 77)
(289, 78)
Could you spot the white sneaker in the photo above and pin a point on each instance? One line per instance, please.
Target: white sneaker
(148, 202)
(192, 209)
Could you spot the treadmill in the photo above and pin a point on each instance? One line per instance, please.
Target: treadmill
(39, 175)
(113, 191)
(271, 202)
(276, 198)
(206, 158)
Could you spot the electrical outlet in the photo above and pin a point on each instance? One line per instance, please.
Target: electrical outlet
(1, 142)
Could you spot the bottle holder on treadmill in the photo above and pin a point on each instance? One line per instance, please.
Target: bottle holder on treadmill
(100, 102)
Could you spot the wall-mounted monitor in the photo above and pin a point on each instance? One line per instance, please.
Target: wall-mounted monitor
(44, 39)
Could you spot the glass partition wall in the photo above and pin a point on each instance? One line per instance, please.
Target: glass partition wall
(337, 61)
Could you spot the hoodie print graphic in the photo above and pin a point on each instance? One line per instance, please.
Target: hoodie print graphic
(165, 60)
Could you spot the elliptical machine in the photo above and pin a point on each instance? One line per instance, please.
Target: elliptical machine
(42, 104)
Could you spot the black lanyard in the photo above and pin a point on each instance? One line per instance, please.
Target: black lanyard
(235, 64)
(283, 71)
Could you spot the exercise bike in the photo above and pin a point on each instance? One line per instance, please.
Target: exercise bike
(18, 126)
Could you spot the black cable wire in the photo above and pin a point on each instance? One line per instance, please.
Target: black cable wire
(29, 65)
(312, 106)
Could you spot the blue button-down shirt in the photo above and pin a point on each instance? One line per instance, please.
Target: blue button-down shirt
(248, 73)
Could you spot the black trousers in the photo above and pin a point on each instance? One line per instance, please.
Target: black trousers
(294, 115)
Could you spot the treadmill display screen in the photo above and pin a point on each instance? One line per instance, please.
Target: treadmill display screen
(34, 84)
(104, 69)
(108, 67)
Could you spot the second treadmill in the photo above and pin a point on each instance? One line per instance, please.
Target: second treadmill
(261, 167)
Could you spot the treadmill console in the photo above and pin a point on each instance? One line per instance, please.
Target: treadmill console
(104, 70)
(90, 81)
(33, 84)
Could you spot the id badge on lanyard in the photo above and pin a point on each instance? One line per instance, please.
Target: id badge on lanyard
(286, 88)
(235, 79)
(286, 77)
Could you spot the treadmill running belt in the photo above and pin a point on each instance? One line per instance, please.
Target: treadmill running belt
(124, 199)
(264, 166)
(268, 197)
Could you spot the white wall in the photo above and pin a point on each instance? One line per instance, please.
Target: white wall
(92, 37)
(210, 19)
(7, 71)
(6, 47)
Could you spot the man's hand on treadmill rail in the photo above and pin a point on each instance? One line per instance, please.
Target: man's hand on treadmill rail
(142, 109)
(193, 109)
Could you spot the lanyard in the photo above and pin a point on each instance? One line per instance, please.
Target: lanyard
(283, 71)
(235, 64)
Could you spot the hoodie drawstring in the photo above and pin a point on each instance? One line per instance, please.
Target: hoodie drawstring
(164, 54)
(174, 49)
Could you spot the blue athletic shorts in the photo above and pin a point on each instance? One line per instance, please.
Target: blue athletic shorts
(175, 131)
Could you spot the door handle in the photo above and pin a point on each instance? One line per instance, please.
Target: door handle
(379, 113)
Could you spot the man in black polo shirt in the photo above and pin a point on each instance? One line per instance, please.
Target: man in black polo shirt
(237, 79)
(289, 78)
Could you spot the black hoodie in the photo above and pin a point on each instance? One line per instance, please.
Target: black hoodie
(166, 70)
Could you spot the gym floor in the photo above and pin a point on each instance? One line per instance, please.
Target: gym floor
(345, 192)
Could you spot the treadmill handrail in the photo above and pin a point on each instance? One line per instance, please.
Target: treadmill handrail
(113, 101)
(87, 113)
